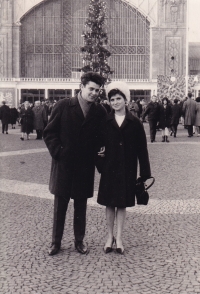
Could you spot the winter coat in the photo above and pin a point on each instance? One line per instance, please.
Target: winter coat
(26, 116)
(189, 108)
(165, 117)
(5, 114)
(197, 118)
(13, 115)
(40, 117)
(152, 110)
(176, 114)
(71, 140)
(124, 146)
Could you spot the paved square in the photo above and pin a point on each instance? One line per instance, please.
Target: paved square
(162, 249)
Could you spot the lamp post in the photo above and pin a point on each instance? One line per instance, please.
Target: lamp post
(187, 48)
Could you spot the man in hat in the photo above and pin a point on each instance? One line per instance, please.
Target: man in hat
(71, 136)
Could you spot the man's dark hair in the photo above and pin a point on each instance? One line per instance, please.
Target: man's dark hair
(92, 77)
(175, 101)
(114, 92)
(189, 95)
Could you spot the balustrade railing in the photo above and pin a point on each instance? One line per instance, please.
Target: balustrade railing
(63, 80)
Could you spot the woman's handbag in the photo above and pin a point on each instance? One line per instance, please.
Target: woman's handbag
(141, 193)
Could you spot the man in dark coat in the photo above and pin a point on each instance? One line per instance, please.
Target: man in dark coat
(71, 137)
(39, 119)
(176, 114)
(189, 112)
(5, 117)
(153, 112)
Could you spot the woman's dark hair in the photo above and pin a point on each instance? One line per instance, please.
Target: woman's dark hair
(92, 77)
(165, 98)
(198, 99)
(114, 92)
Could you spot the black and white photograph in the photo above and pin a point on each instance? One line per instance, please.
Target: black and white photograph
(100, 146)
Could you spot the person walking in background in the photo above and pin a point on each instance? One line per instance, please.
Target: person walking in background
(123, 143)
(176, 114)
(153, 112)
(197, 117)
(46, 109)
(189, 113)
(139, 108)
(13, 116)
(39, 119)
(71, 137)
(26, 116)
(4, 116)
(133, 108)
(165, 118)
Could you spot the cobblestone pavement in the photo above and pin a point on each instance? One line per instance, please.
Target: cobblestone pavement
(162, 249)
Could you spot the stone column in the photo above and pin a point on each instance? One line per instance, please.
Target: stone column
(16, 60)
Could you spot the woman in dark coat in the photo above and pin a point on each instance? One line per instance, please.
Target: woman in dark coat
(26, 115)
(165, 118)
(123, 142)
(176, 114)
(13, 116)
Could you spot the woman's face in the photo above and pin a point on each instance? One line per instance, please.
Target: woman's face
(117, 102)
(164, 102)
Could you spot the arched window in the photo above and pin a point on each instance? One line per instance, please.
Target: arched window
(51, 39)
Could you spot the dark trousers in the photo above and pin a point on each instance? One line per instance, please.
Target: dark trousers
(4, 128)
(60, 209)
(174, 128)
(190, 130)
(152, 126)
(39, 134)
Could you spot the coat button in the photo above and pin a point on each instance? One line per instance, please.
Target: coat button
(120, 143)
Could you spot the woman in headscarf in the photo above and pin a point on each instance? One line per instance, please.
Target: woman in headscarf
(123, 143)
(26, 116)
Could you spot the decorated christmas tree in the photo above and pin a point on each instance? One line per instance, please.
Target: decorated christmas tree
(94, 52)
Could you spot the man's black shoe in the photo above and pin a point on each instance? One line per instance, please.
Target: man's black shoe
(54, 249)
(81, 247)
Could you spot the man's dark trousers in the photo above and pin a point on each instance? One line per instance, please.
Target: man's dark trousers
(190, 130)
(152, 126)
(4, 128)
(60, 209)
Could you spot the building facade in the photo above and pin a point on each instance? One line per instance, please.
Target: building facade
(40, 46)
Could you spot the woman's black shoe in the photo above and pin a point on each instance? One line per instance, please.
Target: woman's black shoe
(22, 139)
(120, 250)
(109, 249)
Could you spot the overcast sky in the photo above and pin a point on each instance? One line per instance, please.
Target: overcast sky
(194, 20)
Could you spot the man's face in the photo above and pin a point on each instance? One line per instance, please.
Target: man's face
(26, 104)
(37, 103)
(90, 91)
(153, 98)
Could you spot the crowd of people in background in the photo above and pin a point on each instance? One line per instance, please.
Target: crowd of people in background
(164, 115)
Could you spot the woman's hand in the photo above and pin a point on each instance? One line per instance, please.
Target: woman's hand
(102, 152)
